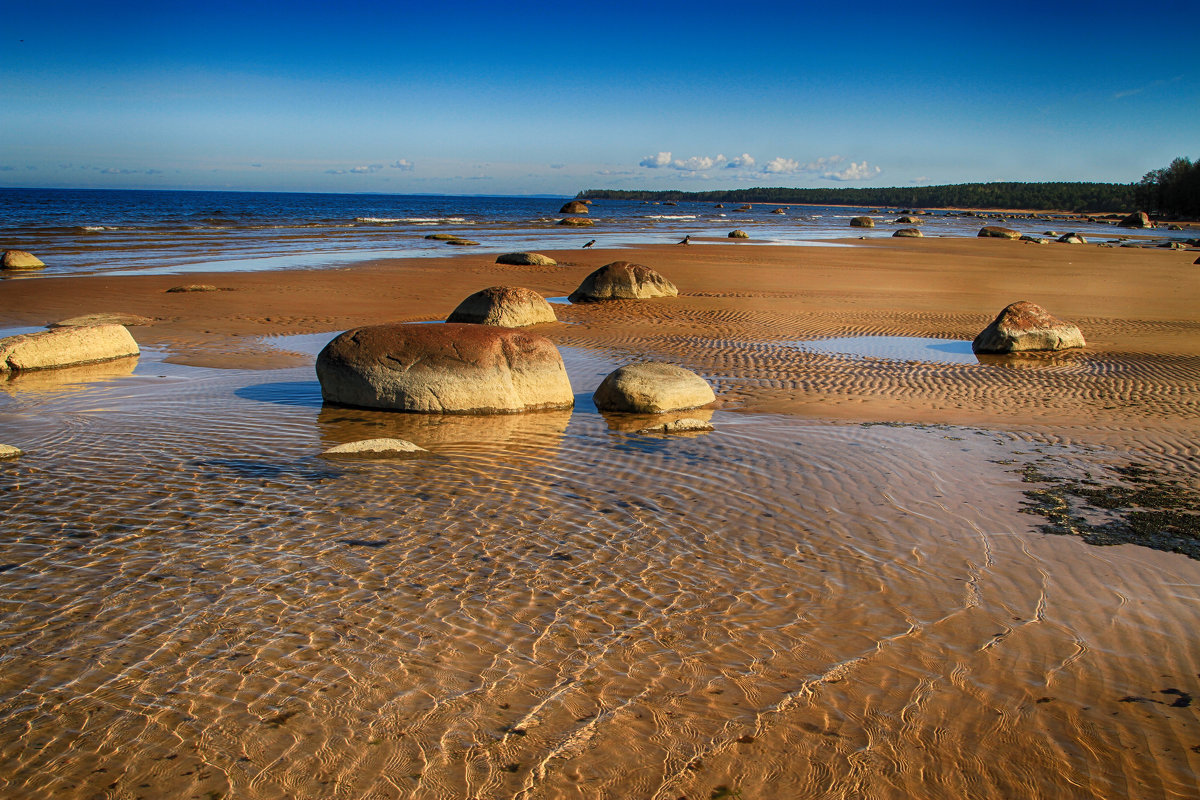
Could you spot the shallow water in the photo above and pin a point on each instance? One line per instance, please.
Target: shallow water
(894, 348)
(196, 604)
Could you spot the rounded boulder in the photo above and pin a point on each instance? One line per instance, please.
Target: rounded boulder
(526, 260)
(574, 207)
(444, 369)
(996, 232)
(505, 306)
(19, 259)
(652, 387)
(1138, 219)
(622, 280)
(738, 234)
(1025, 326)
(909, 233)
(862, 222)
(66, 347)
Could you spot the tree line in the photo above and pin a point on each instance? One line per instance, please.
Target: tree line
(1053, 196)
(1172, 191)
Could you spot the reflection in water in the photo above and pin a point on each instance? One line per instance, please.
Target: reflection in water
(67, 378)
(632, 423)
(196, 604)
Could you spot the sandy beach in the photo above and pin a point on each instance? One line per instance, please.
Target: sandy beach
(840, 592)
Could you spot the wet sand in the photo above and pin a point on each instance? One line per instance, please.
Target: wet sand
(803, 603)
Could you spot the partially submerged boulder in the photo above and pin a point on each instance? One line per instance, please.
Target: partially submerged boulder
(526, 260)
(20, 259)
(997, 232)
(8, 451)
(1025, 326)
(1072, 238)
(112, 318)
(909, 233)
(578, 222)
(908, 220)
(506, 306)
(452, 369)
(862, 222)
(738, 234)
(622, 280)
(65, 347)
(1138, 219)
(652, 387)
(574, 207)
(375, 448)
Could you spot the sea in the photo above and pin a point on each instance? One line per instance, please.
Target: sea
(81, 231)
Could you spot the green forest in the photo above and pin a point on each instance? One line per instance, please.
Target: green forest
(1171, 191)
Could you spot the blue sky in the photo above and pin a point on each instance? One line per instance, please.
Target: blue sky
(472, 98)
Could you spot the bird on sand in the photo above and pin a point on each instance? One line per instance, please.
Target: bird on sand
(589, 244)
(685, 240)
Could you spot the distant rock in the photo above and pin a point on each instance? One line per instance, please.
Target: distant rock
(19, 259)
(451, 369)
(746, 207)
(779, 211)
(193, 287)
(996, 232)
(505, 306)
(652, 387)
(682, 425)
(458, 241)
(622, 280)
(574, 207)
(114, 318)
(908, 220)
(578, 222)
(909, 233)
(1174, 245)
(375, 448)
(862, 222)
(738, 234)
(1072, 238)
(1025, 326)
(8, 451)
(719, 205)
(1034, 239)
(1138, 219)
(443, 237)
(66, 347)
(1174, 227)
(526, 260)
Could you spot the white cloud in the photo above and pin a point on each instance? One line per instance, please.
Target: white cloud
(660, 160)
(855, 172)
(823, 163)
(697, 163)
(403, 164)
(744, 161)
(781, 165)
(366, 169)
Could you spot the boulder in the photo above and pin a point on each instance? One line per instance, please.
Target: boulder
(622, 280)
(19, 259)
(908, 220)
(505, 306)
(996, 232)
(652, 387)
(193, 287)
(1026, 326)
(574, 207)
(909, 233)
(746, 207)
(1138, 219)
(450, 369)
(8, 451)
(1034, 239)
(65, 347)
(862, 222)
(1174, 227)
(739, 234)
(779, 211)
(1072, 238)
(526, 260)
(375, 448)
(578, 222)
(114, 318)
(458, 240)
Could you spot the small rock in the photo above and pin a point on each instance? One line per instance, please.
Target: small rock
(19, 259)
(526, 260)
(652, 387)
(375, 448)
(193, 287)
(578, 222)
(739, 234)
(102, 319)
(1034, 239)
(683, 425)
(8, 451)
(746, 207)
(459, 241)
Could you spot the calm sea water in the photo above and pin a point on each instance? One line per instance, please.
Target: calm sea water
(94, 231)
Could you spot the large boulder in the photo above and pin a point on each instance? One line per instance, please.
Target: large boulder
(738, 234)
(862, 222)
(66, 347)
(652, 387)
(450, 369)
(996, 232)
(1138, 219)
(1026, 326)
(577, 222)
(526, 260)
(506, 306)
(909, 233)
(19, 259)
(622, 280)
(574, 207)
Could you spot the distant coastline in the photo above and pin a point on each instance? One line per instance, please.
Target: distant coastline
(1053, 196)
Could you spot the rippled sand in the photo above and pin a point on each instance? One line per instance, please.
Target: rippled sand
(196, 604)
